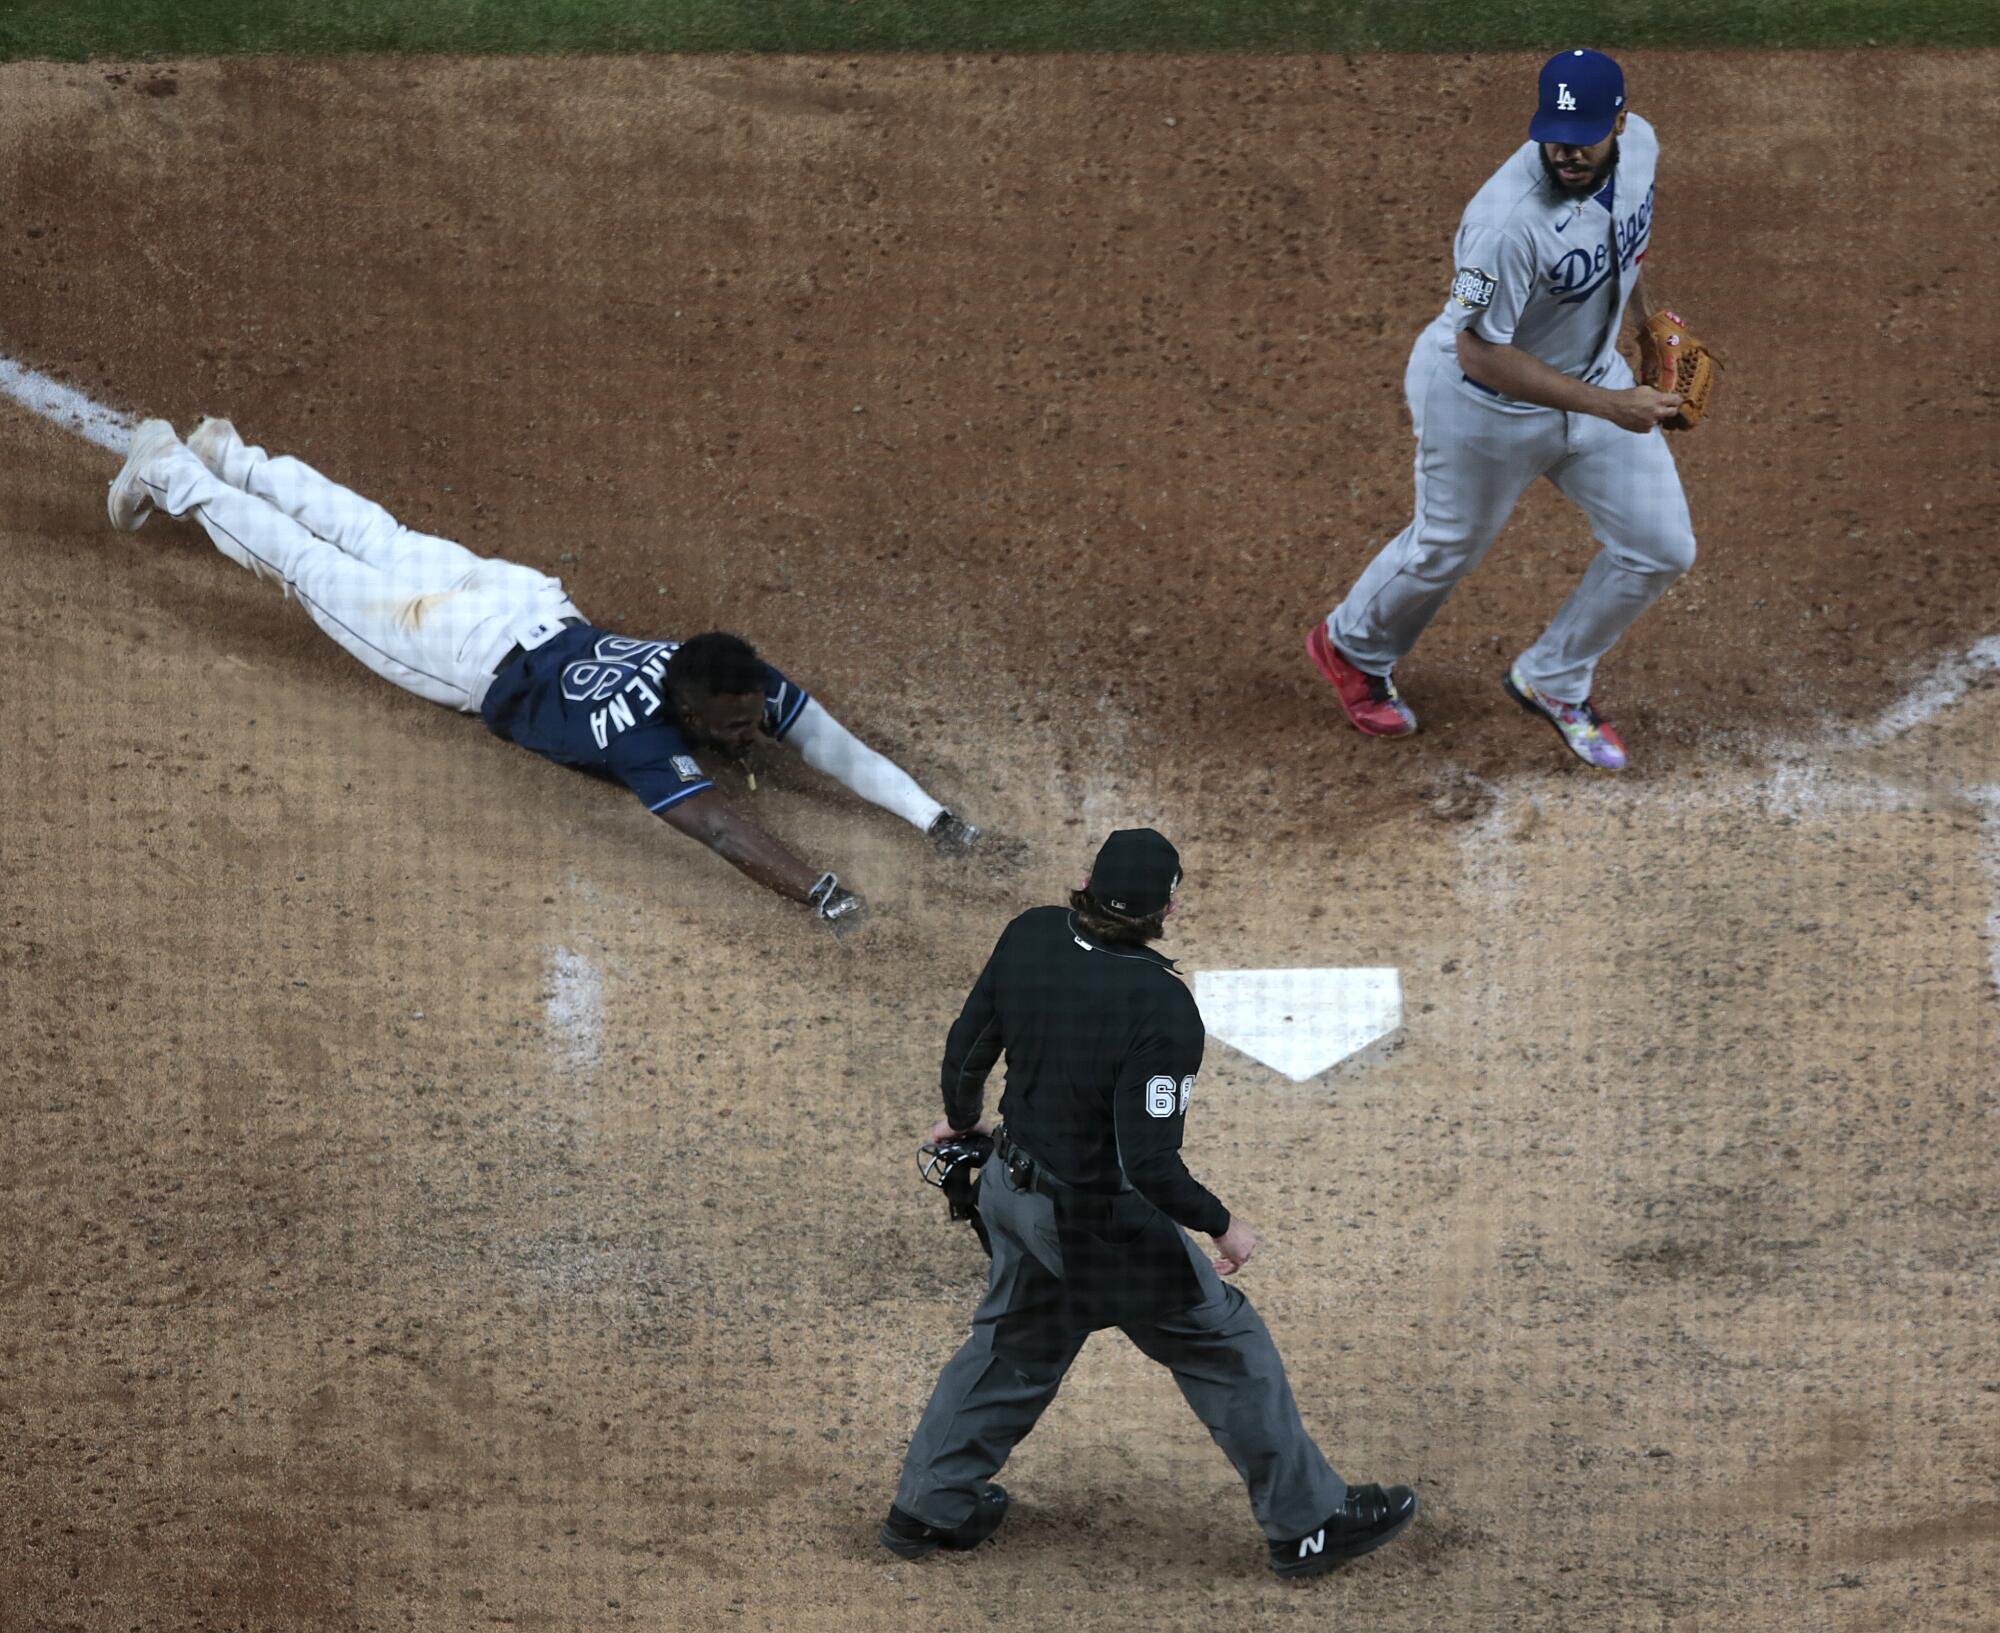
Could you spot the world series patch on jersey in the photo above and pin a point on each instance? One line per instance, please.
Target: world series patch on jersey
(1473, 288)
(1546, 272)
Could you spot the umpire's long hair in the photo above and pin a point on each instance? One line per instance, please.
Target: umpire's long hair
(1115, 929)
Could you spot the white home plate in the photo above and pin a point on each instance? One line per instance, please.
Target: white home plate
(1299, 1022)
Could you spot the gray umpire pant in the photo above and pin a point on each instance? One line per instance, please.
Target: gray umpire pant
(1003, 1377)
(1475, 458)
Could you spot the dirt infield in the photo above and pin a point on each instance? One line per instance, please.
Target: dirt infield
(436, 1196)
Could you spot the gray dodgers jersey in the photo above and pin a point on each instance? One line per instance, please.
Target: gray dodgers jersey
(1548, 274)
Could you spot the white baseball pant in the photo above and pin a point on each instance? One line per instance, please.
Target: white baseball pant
(422, 612)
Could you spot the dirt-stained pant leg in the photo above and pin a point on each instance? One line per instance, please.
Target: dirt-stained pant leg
(1229, 1371)
(995, 1389)
(441, 645)
(1475, 458)
(365, 530)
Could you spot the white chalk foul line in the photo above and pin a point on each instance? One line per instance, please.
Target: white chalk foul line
(65, 406)
(575, 1006)
(1937, 692)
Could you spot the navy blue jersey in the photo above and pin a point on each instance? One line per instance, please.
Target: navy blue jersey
(599, 701)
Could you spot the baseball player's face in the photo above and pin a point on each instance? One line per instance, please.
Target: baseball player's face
(1579, 171)
(725, 722)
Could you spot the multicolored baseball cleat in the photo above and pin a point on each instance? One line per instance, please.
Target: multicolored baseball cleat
(1589, 738)
(1373, 705)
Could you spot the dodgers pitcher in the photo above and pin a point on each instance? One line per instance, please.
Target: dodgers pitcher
(1518, 377)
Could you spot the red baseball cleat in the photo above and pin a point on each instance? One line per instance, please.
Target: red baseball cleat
(1372, 703)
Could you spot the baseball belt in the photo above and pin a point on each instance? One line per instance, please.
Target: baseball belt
(515, 653)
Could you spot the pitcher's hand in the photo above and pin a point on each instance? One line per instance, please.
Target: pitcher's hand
(1640, 408)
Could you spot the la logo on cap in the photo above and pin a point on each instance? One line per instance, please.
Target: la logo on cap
(1580, 95)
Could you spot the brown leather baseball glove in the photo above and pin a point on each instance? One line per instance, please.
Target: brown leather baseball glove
(1672, 359)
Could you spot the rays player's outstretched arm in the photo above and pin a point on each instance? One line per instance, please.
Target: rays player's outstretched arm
(698, 676)
(709, 817)
(826, 745)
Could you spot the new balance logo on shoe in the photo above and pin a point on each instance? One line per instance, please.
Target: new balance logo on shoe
(1366, 1518)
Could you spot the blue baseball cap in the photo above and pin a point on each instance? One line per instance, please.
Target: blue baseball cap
(1583, 93)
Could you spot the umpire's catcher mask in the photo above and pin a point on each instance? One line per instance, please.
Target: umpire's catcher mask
(950, 1165)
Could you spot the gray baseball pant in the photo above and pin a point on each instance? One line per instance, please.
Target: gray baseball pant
(1004, 1376)
(1476, 456)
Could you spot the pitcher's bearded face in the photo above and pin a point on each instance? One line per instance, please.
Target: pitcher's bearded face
(1577, 172)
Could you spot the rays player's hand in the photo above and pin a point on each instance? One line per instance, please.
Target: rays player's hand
(952, 835)
(1640, 408)
(841, 909)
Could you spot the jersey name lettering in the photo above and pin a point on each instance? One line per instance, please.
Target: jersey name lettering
(619, 671)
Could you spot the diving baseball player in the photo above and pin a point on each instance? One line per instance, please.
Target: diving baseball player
(505, 642)
(1518, 377)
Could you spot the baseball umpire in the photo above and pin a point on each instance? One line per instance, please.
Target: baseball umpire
(507, 643)
(1084, 1200)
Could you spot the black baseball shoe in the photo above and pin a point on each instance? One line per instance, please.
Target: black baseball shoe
(951, 835)
(1368, 1518)
(913, 1539)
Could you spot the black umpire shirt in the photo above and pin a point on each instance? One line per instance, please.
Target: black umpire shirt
(1103, 1044)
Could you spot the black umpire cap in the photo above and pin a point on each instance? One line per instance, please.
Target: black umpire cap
(1136, 873)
